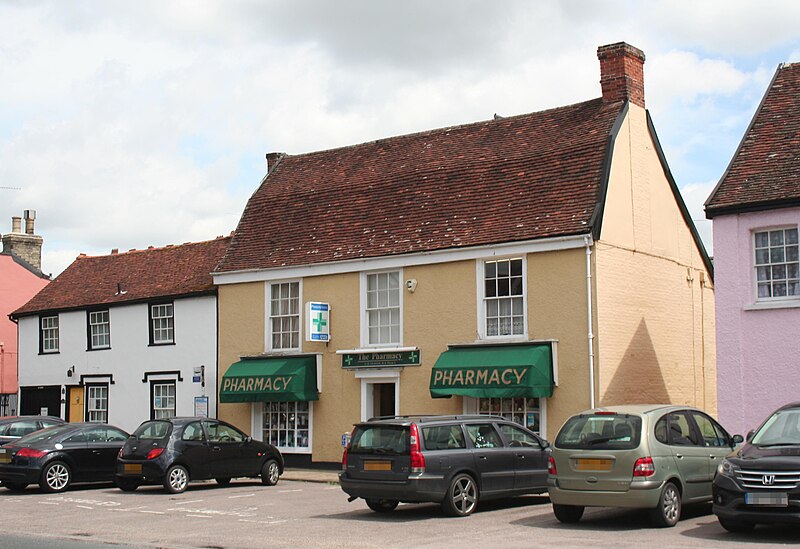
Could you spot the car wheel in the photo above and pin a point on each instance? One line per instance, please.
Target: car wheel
(15, 486)
(382, 505)
(126, 484)
(270, 473)
(223, 481)
(568, 514)
(736, 526)
(176, 479)
(56, 477)
(462, 496)
(668, 511)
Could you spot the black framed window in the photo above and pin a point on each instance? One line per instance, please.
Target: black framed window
(162, 323)
(98, 329)
(48, 334)
(162, 399)
(97, 403)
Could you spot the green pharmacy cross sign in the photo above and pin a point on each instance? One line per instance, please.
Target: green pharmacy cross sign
(380, 359)
(319, 321)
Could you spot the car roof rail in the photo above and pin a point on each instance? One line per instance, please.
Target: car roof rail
(423, 418)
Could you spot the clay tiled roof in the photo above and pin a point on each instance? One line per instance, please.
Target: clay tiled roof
(141, 275)
(510, 179)
(765, 171)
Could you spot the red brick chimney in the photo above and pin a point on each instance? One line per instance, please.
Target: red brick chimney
(622, 73)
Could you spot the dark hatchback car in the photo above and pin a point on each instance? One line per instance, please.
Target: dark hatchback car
(452, 460)
(760, 482)
(58, 456)
(175, 451)
(15, 427)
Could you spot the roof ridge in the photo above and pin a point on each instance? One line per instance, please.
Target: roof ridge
(155, 248)
(435, 131)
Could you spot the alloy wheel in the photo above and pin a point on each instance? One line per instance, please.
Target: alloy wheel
(57, 477)
(464, 494)
(178, 479)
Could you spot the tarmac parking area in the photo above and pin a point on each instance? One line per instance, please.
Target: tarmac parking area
(306, 514)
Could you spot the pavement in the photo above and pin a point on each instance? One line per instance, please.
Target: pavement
(311, 475)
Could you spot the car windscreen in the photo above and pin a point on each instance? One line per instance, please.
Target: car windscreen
(380, 439)
(45, 434)
(600, 432)
(153, 430)
(781, 429)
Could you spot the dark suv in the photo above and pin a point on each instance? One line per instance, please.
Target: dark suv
(760, 482)
(452, 460)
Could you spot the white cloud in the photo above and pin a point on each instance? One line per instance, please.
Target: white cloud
(130, 124)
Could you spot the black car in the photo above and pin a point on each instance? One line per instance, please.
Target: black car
(760, 482)
(15, 427)
(58, 456)
(452, 460)
(175, 451)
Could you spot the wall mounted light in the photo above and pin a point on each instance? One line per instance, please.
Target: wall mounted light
(71, 371)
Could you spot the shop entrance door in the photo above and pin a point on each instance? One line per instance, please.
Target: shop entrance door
(44, 401)
(383, 401)
(75, 408)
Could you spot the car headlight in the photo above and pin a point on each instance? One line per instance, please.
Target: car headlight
(726, 468)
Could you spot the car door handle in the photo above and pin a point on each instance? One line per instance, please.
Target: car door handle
(216, 448)
(679, 456)
(712, 456)
(481, 457)
(96, 452)
(521, 456)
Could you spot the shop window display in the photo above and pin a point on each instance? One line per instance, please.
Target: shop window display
(286, 424)
(524, 411)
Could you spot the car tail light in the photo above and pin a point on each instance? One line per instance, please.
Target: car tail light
(644, 467)
(154, 453)
(30, 453)
(551, 466)
(344, 453)
(605, 413)
(417, 459)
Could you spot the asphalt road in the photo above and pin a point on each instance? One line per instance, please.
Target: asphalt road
(304, 514)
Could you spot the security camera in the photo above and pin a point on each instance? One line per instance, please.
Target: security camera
(411, 284)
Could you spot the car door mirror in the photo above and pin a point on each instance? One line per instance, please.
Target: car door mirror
(737, 439)
(248, 439)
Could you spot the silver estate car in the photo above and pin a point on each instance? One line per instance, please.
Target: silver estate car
(655, 457)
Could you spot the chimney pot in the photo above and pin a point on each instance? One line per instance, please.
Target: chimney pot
(114, 251)
(16, 224)
(621, 73)
(272, 160)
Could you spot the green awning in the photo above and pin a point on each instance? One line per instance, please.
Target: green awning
(494, 371)
(275, 379)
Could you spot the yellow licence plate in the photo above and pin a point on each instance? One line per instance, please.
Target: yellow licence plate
(593, 464)
(133, 468)
(377, 465)
(5, 458)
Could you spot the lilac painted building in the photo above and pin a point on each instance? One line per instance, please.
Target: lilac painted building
(755, 210)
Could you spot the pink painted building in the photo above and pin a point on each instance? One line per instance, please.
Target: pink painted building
(21, 278)
(755, 209)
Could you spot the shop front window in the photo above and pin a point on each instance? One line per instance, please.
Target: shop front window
(286, 424)
(524, 411)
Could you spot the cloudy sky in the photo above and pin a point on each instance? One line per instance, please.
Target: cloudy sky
(128, 124)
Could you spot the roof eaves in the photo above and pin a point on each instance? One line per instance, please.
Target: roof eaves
(596, 221)
(741, 142)
(676, 193)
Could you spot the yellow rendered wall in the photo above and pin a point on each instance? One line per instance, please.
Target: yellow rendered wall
(241, 332)
(655, 300)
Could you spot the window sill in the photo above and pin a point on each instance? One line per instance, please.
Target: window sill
(767, 305)
(45, 353)
(169, 344)
(98, 349)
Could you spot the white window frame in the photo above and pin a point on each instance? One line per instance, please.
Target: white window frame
(90, 401)
(364, 313)
(43, 334)
(92, 325)
(170, 330)
(268, 347)
(471, 407)
(756, 265)
(258, 427)
(481, 299)
(174, 408)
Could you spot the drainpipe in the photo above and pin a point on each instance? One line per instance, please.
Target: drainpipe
(587, 241)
